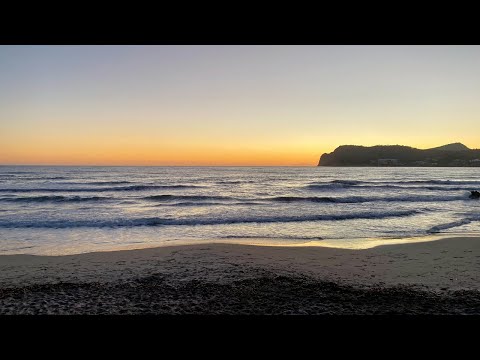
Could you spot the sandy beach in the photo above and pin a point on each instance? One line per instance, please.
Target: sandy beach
(435, 277)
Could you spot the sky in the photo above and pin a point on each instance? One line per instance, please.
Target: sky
(230, 105)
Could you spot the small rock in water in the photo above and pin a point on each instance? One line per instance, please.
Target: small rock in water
(474, 195)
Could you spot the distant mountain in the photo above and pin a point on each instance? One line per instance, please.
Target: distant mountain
(451, 147)
(455, 154)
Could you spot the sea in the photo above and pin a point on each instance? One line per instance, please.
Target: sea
(61, 210)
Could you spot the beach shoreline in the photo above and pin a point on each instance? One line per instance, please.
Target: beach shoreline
(440, 276)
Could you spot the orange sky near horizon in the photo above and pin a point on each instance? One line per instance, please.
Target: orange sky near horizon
(172, 155)
(230, 105)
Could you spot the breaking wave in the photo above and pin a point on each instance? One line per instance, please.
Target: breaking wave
(438, 228)
(118, 188)
(55, 198)
(156, 221)
(169, 197)
(380, 186)
(360, 199)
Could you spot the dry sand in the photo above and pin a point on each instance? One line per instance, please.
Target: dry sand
(435, 277)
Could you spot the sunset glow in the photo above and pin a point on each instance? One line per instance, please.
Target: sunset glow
(230, 105)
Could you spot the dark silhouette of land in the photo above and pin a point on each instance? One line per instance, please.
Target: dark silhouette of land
(455, 154)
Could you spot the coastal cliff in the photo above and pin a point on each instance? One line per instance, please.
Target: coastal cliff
(455, 154)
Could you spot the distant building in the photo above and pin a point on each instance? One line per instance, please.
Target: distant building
(420, 163)
(387, 162)
(475, 162)
(458, 162)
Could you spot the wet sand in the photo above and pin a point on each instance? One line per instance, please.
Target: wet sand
(435, 277)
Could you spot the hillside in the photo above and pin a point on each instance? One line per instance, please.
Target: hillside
(455, 154)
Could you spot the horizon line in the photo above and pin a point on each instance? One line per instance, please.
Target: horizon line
(84, 165)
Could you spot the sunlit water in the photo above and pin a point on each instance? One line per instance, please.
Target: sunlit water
(67, 210)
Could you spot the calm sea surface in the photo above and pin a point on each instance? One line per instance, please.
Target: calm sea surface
(68, 210)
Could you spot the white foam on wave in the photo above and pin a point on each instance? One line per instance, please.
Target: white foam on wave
(156, 221)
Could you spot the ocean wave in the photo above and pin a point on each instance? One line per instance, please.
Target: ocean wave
(155, 221)
(335, 186)
(433, 182)
(304, 199)
(296, 199)
(34, 178)
(192, 203)
(347, 182)
(233, 182)
(55, 198)
(360, 199)
(108, 183)
(467, 220)
(117, 188)
(19, 172)
(350, 183)
(150, 187)
(80, 183)
(439, 182)
(440, 188)
(330, 187)
(438, 228)
(169, 197)
(280, 237)
(198, 200)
